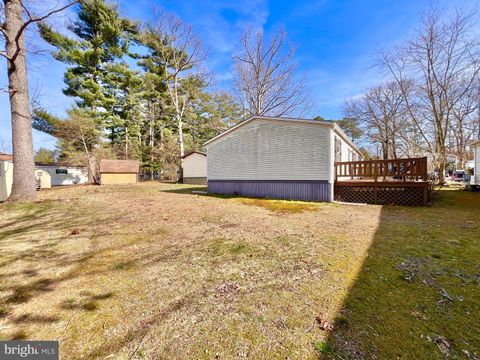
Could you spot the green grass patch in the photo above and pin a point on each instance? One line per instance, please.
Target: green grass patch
(222, 246)
(418, 291)
(323, 347)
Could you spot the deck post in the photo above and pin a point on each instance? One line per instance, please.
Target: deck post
(425, 195)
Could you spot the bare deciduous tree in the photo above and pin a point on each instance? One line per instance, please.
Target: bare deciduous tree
(266, 76)
(380, 113)
(442, 64)
(5, 145)
(15, 19)
(464, 127)
(80, 132)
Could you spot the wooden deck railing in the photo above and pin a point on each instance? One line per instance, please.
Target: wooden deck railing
(411, 169)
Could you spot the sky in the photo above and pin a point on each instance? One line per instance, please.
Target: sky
(335, 41)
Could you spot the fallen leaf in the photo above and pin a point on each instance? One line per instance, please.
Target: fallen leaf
(324, 324)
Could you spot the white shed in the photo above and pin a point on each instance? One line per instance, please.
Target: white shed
(278, 158)
(476, 157)
(195, 168)
(65, 175)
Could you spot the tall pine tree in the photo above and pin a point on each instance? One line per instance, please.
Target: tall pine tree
(101, 39)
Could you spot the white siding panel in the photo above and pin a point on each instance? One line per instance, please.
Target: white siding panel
(195, 165)
(477, 164)
(271, 150)
(6, 179)
(74, 175)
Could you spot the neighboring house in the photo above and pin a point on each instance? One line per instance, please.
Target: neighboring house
(65, 175)
(195, 168)
(278, 158)
(476, 154)
(115, 172)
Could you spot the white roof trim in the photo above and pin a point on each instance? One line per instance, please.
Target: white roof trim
(317, 122)
(331, 124)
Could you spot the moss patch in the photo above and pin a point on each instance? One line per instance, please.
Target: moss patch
(281, 206)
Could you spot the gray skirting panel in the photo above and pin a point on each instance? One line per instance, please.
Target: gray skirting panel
(307, 190)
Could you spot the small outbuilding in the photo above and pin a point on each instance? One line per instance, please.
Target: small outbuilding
(195, 168)
(65, 174)
(115, 172)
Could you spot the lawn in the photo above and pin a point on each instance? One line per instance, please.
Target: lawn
(153, 271)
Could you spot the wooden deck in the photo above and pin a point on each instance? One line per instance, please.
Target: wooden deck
(383, 182)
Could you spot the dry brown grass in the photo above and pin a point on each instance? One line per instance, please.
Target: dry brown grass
(152, 271)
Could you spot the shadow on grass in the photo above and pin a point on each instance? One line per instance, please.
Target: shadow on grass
(190, 191)
(185, 189)
(87, 301)
(417, 295)
(138, 333)
(38, 261)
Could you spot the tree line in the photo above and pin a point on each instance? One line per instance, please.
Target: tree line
(141, 89)
(429, 101)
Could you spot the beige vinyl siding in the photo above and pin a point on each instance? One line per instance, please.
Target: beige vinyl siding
(118, 178)
(6, 179)
(271, 150)
(195, 166)
(477, 164)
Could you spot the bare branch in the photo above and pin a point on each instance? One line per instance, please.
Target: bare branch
(266, 76)
(441, 67)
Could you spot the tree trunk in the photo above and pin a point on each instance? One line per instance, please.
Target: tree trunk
(24, 183)
(151, 133)
(126, 142)
(182, 145)
(385, 150)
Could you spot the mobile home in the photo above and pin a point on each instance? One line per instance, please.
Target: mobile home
(279, 158)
